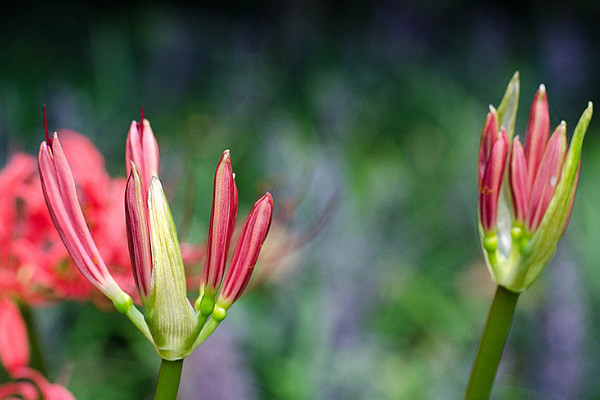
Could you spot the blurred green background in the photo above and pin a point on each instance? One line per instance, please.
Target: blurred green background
(378, 103)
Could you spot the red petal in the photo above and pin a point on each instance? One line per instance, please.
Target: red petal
(536, 137)
(519, 188)
(138, 233)
(548, 176)
(247, 250)
(492, 180)
(224, 211)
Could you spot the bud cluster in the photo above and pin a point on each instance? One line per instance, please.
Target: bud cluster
(526, 192)
(169, 321)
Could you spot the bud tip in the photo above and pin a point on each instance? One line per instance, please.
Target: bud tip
(542, 89)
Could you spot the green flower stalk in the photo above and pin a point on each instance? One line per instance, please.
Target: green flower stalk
(169, 321)
(526, 194)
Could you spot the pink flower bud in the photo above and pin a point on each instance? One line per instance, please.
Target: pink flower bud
(488, 136)
(536, 137)
(492, 180)
(247, 250)
(222, 222)
(518, 180)
(59, 190)
(547, 177)
(138, 234)
(142, 149)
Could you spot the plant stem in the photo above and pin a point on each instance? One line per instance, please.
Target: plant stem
(35, 349)
(491, 345)
(168, 380)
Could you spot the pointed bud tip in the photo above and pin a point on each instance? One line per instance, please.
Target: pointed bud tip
(542, 89)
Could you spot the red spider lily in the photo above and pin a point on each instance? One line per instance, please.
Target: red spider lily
(34, 265)
(14, 355)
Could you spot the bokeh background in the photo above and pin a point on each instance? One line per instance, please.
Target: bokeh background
(375, 107)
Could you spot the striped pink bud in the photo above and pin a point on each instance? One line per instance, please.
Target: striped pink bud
(138, 233)
(59, 190)
(547, 177)
(222, 223)
(488, 137)
(142, 149)
(247, 250)
(492, 181)
(536, 137)
(519, 188)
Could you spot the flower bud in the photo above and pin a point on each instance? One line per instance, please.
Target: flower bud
(542, 179)
(246, 252)
(536, 137)
(222, 224)
(142, 149)
(138, 234)
(492, 180)
(168, 312)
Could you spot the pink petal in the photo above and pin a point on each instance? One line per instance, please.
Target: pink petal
(138, 233)
(14, 345)
(222, 223)
(519, 188)
(492, 180)
(488, 136)
(247, 250)
(548, 176)
(142, 149)
(536, 137)
(61, 198)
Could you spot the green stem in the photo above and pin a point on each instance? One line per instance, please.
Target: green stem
(36, 355)
(168, 380)
(491, 345)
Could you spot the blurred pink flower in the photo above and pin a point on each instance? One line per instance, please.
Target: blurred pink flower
(14, 356)
(34, 265)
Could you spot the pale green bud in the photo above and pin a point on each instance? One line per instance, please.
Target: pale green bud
(168, 312)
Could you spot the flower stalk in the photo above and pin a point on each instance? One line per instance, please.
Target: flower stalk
(169, 377)
(526, 194)
(491, 344)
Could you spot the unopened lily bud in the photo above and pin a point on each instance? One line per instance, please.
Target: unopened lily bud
(492, 181)
(518, 181)
(489, 135)
(246, 252)
(168, 312)
(549, 172)
(142, 149)
(542, 179)
(222, 224)
(60, 193)
(538, 130)
(138, 234)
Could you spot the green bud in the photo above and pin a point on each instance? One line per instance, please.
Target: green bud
(168, 312)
